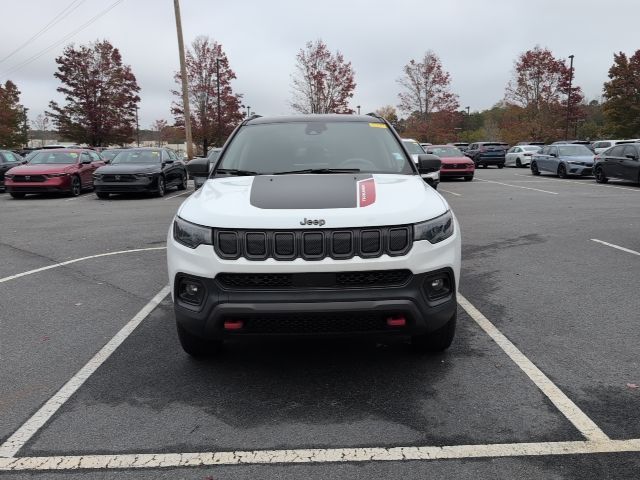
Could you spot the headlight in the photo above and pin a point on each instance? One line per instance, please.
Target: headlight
(574, 162)
(191, 235)
(144, 175)
(54, 175)
(434, 230)
(8, 175)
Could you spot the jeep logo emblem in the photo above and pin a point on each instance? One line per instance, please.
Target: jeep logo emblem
(317, 221)
(117, 177)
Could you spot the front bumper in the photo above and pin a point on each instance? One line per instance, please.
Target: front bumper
(317, 310)
(581, 170)
(139, 186)
(483, 160)
(50, 185)
(458, 172)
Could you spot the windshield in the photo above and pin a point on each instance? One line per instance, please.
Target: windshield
(137, 156)
(413, 147)
(110, 154)
(445, 151)
(286, 147)
(53, 157)
(574, 151)
(213, 154)
(531, 149)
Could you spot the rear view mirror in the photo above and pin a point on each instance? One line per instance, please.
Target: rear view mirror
(428, 163)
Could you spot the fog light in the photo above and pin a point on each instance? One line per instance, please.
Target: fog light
(437, 284)
(191, 291)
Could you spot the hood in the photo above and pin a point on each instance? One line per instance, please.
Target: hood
(455, 160)
(42, 169)
(291, 201)
(120, 168)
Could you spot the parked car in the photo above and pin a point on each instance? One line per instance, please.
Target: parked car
(109, 153)
(425, 145)
(520, 155)
(455, 164)
(621, 162)
(149, 170)
(315, 225)
(539, 144)
(209, 161)
(563, 160)
(415, 149)
(8, 160)
(462, 146)
(487, 153)
(62, 170)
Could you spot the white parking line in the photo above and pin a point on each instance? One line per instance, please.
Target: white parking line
(21, 436)
(578, 182)
(517, 186)
(447, 191)
(75, 260)
(563, 403)
(628, 250)
(314, 455)
(178, 195)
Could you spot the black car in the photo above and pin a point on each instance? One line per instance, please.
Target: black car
(487, 153)
(110, 153)
(8, 160)
(621, 162)
(141, 170)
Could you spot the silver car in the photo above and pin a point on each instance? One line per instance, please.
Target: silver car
(563, 160)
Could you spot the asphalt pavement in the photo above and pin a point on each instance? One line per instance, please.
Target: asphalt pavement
(551, 392)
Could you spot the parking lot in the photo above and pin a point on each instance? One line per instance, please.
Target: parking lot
(542, 381)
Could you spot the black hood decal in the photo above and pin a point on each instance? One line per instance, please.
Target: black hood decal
(307, 191)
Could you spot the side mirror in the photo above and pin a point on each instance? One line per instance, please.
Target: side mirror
(198, 167)
(86, 161)
(631, 156)
(428, 163)
(553, 154)
(106, 161)
(168, 162)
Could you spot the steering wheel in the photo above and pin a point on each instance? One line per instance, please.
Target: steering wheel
(361, 163)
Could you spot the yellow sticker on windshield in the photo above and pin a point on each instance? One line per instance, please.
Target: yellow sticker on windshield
(377, 125)
(155, 154)
(73, 155)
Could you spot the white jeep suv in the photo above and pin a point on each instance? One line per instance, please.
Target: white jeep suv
(315, 225)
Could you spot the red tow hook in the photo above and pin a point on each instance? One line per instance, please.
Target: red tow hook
(233, 324)
(397, 321)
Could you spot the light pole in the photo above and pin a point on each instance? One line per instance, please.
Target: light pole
(137, 127)
(566, 130)
(248, 111)
(185, 88)
(358, 109)
(467, 110)
(218, 95)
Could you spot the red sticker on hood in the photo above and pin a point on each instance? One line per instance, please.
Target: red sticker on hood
(366, 192)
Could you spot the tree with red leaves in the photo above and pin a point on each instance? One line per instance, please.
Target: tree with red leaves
(206, 63)
(622, 96)
(323, 82)
(101, 95)
(12, 117)
(426, 88)
(540, 90)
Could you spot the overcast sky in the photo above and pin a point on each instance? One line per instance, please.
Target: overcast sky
(476, 40)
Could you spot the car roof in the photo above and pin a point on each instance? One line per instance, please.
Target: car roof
(328, 117)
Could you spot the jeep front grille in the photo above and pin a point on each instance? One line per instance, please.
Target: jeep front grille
(339, 244)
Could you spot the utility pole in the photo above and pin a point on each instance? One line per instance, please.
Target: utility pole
(467, 111)
(137, 127)
(248, 111)
(566, 130)
(185, 88)
(218, 96)
(358, 109)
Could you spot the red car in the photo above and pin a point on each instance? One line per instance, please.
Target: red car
(454, 162)
(63, 170)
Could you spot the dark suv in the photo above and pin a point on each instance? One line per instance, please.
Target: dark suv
(487, 153)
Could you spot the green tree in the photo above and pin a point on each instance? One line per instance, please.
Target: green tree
(13, 117)
(622, 96)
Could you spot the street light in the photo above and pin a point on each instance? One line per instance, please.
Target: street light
(358, 109)
(248, 111)
(566, 130)
(467, 110)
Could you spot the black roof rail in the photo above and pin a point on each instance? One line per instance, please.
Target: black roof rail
(252, 117)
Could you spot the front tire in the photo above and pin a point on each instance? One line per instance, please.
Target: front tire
(183, 183)
(17, 195)
(437, 341)
(562, 171)
(75, 188)
(501, 165)
(534, 168)
(102, 195)
(197, 347)
(468, 179)
(518, 163)
(600, 176)
(161, 187)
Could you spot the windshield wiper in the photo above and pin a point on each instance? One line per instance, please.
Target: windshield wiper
(234, 171)
(319, 170)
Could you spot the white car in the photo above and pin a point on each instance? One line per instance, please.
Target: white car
(520, 155)
(415, 149)
(314, 225)
(600, 146)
